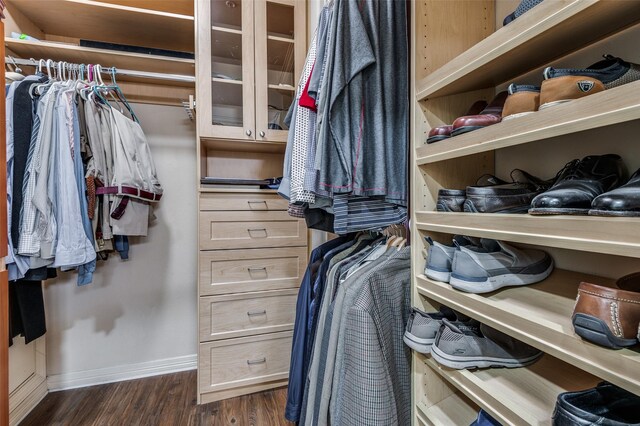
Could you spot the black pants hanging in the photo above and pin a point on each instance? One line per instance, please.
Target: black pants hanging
(26, 310)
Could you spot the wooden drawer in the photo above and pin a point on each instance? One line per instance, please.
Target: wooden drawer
(238, 271)
(239, 315)
(224, 230)
(246, 201)
(225, 364)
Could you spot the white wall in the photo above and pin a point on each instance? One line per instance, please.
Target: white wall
(139, 316)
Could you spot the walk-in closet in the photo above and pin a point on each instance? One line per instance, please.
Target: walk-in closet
(320, 212)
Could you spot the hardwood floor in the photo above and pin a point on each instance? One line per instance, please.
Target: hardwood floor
(162, 400)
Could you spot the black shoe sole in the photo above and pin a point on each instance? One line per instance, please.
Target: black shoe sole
(466, 129)
(594, 212)
(596, 331)
(546, 211)
(434, 139)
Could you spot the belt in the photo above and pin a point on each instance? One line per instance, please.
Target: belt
(130, 191)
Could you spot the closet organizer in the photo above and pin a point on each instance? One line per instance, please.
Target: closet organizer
(160, 70)
(460, 55)
(252, 254)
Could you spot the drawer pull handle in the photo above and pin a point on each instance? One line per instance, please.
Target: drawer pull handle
(258, 202)
(256, 313)
(264, 268)
(256, 361)
(250, 230)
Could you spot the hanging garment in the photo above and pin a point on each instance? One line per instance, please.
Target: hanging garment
(360, 284)
(299, 358)
(377, 391)
(362, 147)
(26, 307)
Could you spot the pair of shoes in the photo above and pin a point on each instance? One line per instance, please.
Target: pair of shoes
(609, 316)
(422, 327)
(452, 200)
(604, 405)
(493, 195)
(470, 345)
(561, 85)
(591, 186)
(444, 132)
(490, 115)
(486, 265)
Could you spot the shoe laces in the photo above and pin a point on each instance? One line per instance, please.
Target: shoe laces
(571, 170)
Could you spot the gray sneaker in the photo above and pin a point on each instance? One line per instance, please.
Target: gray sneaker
(482, 272)
(440, 256)
(461, 347)
(422, 327)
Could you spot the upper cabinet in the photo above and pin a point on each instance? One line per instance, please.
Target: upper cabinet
(256, 50)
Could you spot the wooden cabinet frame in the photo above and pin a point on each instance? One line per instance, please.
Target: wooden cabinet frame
(255, 86)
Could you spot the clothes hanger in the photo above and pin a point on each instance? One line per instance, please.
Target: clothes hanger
(16, 73)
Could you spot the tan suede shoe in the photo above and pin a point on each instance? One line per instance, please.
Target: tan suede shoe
(523, 99)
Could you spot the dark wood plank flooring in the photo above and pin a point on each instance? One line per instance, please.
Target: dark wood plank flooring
(161, 400)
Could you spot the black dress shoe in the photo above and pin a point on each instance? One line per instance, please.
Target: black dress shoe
(512, 197)
(604, 405)
(578, 184)
(452, 200)
(623, 201)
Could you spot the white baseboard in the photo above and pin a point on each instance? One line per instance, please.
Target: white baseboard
(26, 397)
(80, 379)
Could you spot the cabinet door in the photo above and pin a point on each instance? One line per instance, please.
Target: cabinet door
(280, 54)
(226, 92)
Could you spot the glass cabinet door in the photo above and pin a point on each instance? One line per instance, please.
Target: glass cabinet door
(226, 35)
(280, 53)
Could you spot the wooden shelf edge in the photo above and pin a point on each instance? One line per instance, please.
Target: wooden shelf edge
(614, 366)
(243, 145)
(204, 189)
(484, 64)
(226, 81)
(280, 39)
(595, 234)
(226, 30)
(618, 105)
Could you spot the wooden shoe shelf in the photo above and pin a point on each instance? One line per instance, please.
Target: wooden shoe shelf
(456, 62)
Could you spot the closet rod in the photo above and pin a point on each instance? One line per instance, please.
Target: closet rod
(119, 71)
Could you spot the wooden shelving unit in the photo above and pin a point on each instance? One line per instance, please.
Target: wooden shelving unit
(112, 23)
(87, 55)
(540, 315)
(610, 107)
(61, 24)
(537, 37)
(453, 67)
(608, 235)
(497, 389)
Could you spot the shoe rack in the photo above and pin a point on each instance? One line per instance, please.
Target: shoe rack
(459, 56)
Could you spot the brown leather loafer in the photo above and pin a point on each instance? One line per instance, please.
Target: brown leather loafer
(492, 114)
(609, 316)
(444, 132)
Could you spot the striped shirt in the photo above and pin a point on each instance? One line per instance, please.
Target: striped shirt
(355, 213)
